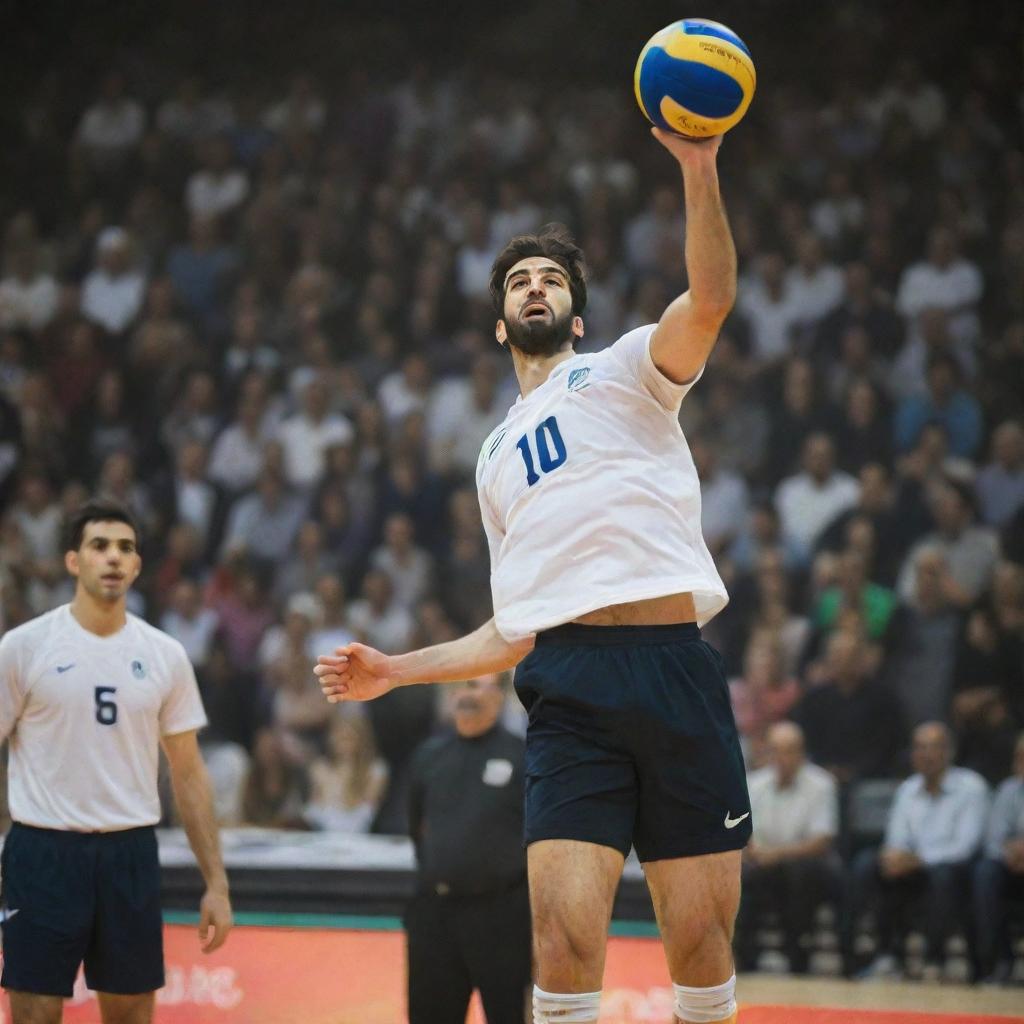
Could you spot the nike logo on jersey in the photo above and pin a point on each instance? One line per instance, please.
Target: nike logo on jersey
(6, 915)
(64, 668)
(733, 822)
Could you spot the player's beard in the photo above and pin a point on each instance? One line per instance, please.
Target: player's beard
(540, 337)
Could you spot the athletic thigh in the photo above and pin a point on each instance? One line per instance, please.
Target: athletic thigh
(693, 786)
(126, 952)
(48, 887)
(572, 889)
(695, 901)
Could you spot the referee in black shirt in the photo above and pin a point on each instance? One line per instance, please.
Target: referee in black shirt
(468, 926)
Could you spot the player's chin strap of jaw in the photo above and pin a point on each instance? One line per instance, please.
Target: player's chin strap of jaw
(715, 1005)
(565, 1008)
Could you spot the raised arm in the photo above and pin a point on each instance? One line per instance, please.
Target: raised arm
(358, 672)
(688, 329)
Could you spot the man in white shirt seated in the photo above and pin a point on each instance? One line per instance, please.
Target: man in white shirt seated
(999, 875)
(811, 499)
(790, 865)
(935, 828)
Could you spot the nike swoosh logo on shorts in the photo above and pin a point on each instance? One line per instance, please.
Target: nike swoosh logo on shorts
(6, 915)
(733, 822)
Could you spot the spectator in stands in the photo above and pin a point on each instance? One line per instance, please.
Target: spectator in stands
(28, 295)
(802, 412)
(814, 287)
(725, 500)
(944, 280)
(790, 864)
(988, 676)
(970, 551)
(924, 640)
(192, 624)
(855, 593)
(764, 302)
(863, 431)
(1000, 485)
(306, 436)
(276, 786)
(998, 878)
(347, 784)
(763, 695)
(238, 451)
(864, 306)
(935, 828)
(265, 522)
(201, 270)
(810, 500)
(408, 566)
(301, 721)
(218, 188)
(112, 126)
(113, 293)
(945, 402)
(333, 626)
(854, 726)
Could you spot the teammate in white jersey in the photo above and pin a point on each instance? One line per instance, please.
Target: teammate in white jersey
(600, 579)
(88, 693)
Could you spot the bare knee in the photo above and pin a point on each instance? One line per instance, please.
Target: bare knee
(569, 958)
(119, 1009)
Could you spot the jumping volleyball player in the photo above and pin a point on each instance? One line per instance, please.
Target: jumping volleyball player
(601, 580)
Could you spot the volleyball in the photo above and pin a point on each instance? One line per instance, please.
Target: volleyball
(695, 78)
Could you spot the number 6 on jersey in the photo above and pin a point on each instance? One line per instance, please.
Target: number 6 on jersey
(548, 462)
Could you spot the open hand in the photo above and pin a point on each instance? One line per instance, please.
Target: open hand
(354, 672)
(689, 152)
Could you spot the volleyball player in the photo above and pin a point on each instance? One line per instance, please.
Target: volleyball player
(87, 694)
(601, 579)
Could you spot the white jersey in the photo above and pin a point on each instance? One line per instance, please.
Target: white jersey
(85, 715)
(589, 495)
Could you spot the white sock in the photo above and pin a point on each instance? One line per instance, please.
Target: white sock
(705, 1005)
(565, 1008)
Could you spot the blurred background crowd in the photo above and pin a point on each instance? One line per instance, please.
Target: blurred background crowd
(244, 288)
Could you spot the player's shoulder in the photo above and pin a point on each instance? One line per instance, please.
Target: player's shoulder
(156, 639)
(32, 635)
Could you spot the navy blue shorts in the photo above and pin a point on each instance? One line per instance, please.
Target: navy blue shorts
(71, 897)
(632, 742)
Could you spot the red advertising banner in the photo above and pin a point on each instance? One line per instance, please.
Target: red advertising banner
(327, 976)
(320, 976)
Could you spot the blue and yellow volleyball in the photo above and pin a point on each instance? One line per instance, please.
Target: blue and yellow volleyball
(695, 78)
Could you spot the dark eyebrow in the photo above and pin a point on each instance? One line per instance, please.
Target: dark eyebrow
(544, 270)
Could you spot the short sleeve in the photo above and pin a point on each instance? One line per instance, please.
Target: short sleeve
(182, 709)
(12, 693)
(633, 352)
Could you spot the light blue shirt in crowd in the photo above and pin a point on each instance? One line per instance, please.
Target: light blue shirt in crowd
(1007, 818)
(943, 828)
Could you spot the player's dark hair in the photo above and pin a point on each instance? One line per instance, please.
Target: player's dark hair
(554, 241)
(100, 509)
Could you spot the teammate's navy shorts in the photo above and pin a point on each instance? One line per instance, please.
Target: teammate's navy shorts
(632, 741)
(71, 897)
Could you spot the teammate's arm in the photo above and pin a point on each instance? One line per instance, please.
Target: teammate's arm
(688, 329)
(358, 672)
(195, 805)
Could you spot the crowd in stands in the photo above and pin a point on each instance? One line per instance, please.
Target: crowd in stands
(258, 313)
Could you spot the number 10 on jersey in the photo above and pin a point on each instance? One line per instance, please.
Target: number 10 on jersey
(550, 449)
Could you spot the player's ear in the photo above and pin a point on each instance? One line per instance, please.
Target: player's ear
(71, 562)
(500, 333)
(577, 326)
